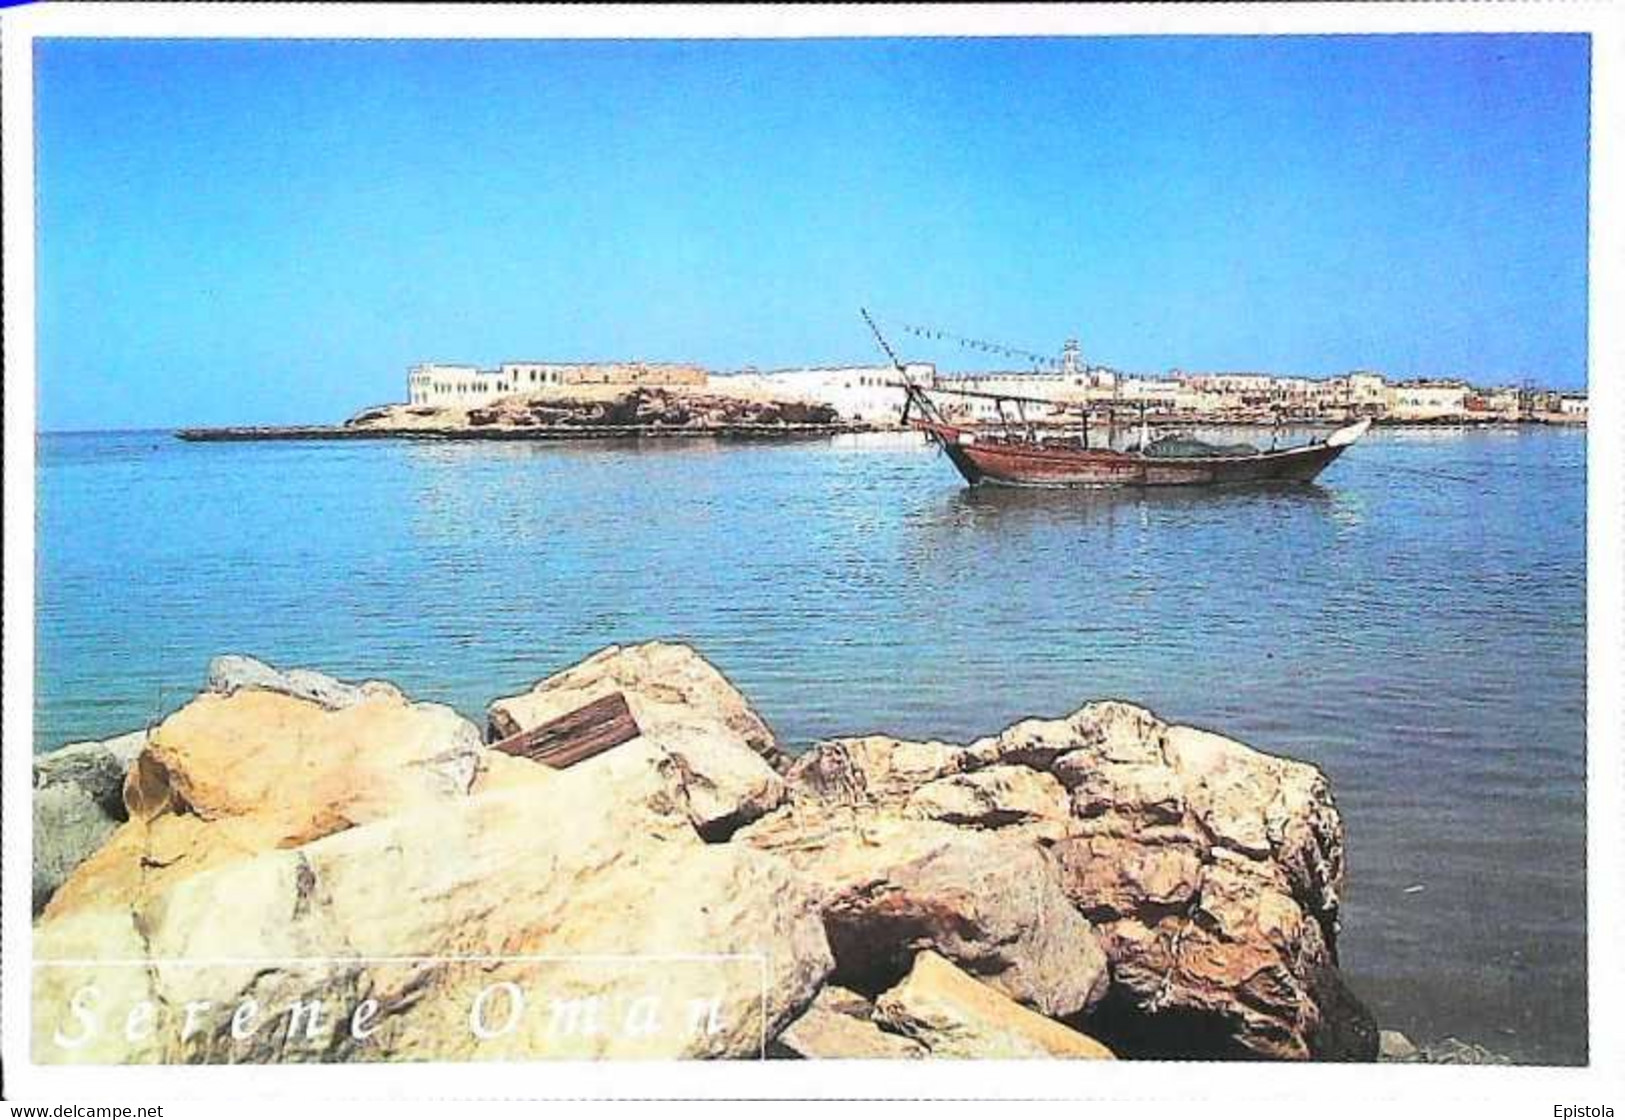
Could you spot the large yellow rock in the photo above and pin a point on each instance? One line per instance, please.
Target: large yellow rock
(575, 916)
(955, 1016)
(229, 776)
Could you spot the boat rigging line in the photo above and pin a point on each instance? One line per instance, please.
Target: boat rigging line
(1040, 362)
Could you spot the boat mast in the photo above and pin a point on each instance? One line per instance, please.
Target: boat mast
(915, 396)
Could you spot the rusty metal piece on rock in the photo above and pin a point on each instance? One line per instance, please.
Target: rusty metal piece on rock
(575, 736)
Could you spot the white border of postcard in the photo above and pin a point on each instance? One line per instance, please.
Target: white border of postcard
(1522, 1091)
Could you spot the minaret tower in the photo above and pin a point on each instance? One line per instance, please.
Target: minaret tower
(1069, 357)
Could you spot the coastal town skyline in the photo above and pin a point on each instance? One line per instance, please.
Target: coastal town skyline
(961, 370)
(323, 215)
(873, 394)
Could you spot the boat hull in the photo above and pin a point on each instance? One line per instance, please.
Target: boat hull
(1003, 462)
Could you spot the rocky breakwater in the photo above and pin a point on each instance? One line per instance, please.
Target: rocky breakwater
(293, 868)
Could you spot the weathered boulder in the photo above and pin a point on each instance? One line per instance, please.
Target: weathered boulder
(1453, 1051)
(955, 1016)
(234, 672)
(97, 768)
(1214, 874)
(79, 789)
(78, 803)
(1211, 872)
(527, 913)
(720, 751)
(872, 828)
(839, 1024)
(872, 770)
(231, 775)
(68, 826)
(993, 906)
(1393, 1046)
(992, 798)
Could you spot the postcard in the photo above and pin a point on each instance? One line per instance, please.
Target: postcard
(1069, 553)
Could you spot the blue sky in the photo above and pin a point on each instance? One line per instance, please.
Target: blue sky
(272, 232)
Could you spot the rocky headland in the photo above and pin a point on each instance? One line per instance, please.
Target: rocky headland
(680, 408)
(572, 413)
(1105, 884)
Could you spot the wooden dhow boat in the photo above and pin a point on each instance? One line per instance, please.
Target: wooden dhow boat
(1021, 454)
(1018, 460)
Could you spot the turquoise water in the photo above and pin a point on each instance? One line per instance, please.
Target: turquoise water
(1415, 625)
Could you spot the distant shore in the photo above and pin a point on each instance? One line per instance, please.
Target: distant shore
(559, 432)
(742, 431)
(615, 411)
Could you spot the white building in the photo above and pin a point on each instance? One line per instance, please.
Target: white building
(529, 376)
(865, 394)
(1575, 405)
(461, 386)
(441, 385)
(1164, 395)
(1243, 388)
(1367, 392)
(1428, 400)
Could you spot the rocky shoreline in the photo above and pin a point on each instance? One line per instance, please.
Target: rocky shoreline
(1104, 884)
(595, 412)
(587, 412)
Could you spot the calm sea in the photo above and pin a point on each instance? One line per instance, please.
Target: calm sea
(1415, 625)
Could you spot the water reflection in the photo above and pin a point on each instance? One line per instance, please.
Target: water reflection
(1007, 508)
(447, 452)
